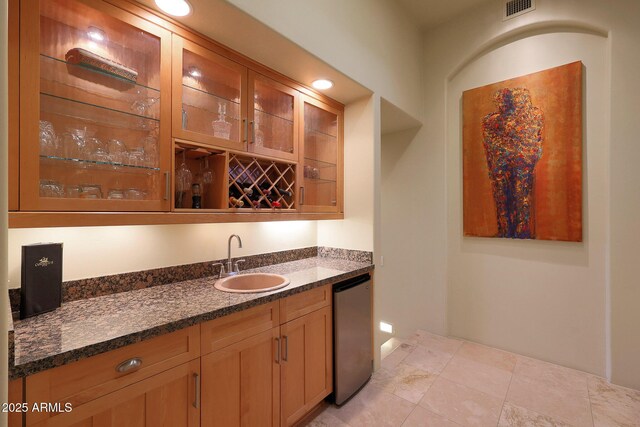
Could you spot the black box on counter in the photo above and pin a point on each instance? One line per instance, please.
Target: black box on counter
(41, 288)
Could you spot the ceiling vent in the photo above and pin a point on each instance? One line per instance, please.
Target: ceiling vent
(513, 8)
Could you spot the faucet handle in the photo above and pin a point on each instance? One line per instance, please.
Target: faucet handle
(221, 272)
(237, 266)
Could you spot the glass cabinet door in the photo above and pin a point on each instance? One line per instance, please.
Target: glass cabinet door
(94, 127)
(208, 97)
(322, 157)
(272, 118)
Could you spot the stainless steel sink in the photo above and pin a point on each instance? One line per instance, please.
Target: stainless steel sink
(252, 282)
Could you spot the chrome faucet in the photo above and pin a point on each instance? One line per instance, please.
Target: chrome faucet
(231, 268)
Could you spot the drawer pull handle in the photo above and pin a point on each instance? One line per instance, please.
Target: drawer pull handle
(129, 365)
(246, 131)
(196, 380)
(285, 355)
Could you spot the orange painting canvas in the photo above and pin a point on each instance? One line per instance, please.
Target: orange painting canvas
(522, 157)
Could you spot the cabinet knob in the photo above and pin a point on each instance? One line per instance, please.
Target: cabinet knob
(129, 365)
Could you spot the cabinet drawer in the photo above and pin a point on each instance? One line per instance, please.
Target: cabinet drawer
(304, 303)
(90, 378)
(224, 331)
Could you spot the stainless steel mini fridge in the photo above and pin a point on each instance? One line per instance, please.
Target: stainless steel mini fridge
(352, 336)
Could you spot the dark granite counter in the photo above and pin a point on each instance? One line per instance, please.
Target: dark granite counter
(87, 327)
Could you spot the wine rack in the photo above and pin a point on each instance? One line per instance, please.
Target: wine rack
(256, 184)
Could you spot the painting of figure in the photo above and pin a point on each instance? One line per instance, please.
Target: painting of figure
(522, 157)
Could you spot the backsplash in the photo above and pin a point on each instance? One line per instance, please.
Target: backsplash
(106, 285)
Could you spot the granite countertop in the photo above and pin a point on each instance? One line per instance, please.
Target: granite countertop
(84, 328)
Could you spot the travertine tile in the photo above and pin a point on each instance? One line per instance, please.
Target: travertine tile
(461, 404)
(392, 344)
(326, 419)
(435, 342)
(552, 376)
(613, 405)
(421, 417)
(428, 359)
(515, 416)
(373, 407)
(404, 381)
(556, 399)
(388, 347)
(488, 356)
(481, 377)
(395, 357)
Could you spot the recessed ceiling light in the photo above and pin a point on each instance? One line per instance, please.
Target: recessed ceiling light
(195, 72)
(174, 7)
(96, 34)
(322, 84)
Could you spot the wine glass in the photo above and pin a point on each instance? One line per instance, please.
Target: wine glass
(207, 173)
(184, 179)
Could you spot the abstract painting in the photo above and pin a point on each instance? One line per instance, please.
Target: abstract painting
(522, 157)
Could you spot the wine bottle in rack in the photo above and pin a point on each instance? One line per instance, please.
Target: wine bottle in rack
(283, 192)
(236, 203)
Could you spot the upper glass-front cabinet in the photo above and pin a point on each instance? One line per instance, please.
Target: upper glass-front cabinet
(272, 119)
(208, 97)
(321, 156)
(95, 129)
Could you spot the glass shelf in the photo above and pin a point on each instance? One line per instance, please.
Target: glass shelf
(318, 163)
(78, 105)
(320, 180)
(276, 116)
(315, 132)
(184, 86)
(46, 59)
(97, 165)
(200, 112)
(73, 82)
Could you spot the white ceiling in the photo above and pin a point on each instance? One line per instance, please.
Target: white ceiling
(431, 13)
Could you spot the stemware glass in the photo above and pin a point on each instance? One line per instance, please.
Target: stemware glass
(184, 179)
(48, 139)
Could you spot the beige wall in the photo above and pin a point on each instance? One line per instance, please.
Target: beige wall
(412, 273)
(624, 190)
(549, 300)
(540, 298)
(97, 251)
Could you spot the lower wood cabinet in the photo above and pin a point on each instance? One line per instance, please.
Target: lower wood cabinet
(168, 399)
(307, 359)
(14, 417)
(252, 368)
(273, 377)
(241, 383)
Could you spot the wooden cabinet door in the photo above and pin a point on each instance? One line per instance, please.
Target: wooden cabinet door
(209, 97)
(273, 118)
(168, 399)
(14, 417)
(95, 91)
(241, 383)
(320, 170)
(306, 363)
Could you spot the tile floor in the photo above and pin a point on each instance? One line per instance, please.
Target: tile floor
(429, 380)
